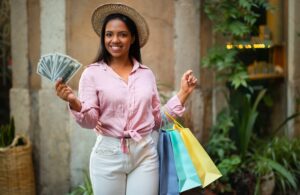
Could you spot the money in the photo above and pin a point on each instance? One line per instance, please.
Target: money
(56, 65)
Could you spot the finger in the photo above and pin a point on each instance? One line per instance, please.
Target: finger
(66, 93)
(190, 78)
(193, 82)
(59, 90)
(58, 83)
(62, 94)
(187, 73)
(98, 126)
(60, 87)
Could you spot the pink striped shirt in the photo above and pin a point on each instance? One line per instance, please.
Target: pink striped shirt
(123, 109)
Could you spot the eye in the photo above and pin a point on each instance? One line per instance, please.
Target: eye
(123, 34)
(108, 34)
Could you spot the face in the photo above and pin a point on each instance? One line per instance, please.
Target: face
(117, 38)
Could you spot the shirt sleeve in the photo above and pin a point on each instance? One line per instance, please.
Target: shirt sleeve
(88, 96)
(173, 107)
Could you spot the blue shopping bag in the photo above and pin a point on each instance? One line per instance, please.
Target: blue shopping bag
(186, 172)
(168, 180)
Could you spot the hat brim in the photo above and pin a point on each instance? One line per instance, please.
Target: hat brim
(101, 12)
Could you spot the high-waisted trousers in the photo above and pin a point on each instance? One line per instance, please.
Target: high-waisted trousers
(114, 172)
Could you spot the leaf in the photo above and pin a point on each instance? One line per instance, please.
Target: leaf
(245, 4)
(282, 171)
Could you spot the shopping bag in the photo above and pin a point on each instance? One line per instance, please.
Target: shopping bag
(168, 180)
(186, 173)
(205, 167)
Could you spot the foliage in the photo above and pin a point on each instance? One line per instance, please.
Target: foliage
(85, 188)
(229, 152)
(244, 113)
(220, 145)
(7, 133)
(277, 155)
(235, 20)
(222, 149)
(285, 152)
(233, 145)
(224, 62)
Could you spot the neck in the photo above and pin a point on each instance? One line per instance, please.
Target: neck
(123, 61)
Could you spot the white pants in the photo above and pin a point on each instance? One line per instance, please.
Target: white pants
(113, 172)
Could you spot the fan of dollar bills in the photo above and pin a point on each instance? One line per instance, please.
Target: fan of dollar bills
(55, 65)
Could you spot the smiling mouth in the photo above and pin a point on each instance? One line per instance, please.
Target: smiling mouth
(116, 48)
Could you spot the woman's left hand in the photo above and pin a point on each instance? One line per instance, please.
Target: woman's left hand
(188, 84)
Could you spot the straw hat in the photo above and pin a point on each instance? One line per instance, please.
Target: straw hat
(103, 11)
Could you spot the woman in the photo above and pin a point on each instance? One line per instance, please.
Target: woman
(118, 98)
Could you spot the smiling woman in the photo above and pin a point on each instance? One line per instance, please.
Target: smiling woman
(118, 38)
(118, 98)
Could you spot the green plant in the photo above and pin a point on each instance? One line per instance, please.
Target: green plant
(230, 136)
(222, 149)
(220, 145)
(85, 188)
(263, 165)
(7, 133)
(285, 152)
(244, 113)
(225, 63)
(235, 20)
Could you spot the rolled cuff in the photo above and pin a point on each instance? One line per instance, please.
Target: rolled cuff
(174, 107)
(79, 116)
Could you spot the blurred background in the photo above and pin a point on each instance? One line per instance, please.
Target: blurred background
(244, 111)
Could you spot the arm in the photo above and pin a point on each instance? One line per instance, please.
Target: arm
(175, 106)
(84, 109)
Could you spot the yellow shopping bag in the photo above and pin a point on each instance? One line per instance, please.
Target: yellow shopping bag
(205, 167)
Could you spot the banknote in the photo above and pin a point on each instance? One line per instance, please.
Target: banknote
(56, 65)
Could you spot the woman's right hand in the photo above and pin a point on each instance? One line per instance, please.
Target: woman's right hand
(64, 91)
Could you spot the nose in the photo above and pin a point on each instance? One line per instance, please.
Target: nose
(115, 39)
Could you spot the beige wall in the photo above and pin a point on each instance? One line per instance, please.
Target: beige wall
(158, 54)
(34, 39)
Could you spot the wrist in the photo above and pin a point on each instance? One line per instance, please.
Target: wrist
(75, 104)
(183, 92)
(183, 95)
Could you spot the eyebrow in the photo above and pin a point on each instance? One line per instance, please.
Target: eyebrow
(118, 31)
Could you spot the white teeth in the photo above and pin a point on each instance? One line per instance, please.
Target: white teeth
(115, 48)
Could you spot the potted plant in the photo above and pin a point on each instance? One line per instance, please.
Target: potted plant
(285, 152)
(16, 167)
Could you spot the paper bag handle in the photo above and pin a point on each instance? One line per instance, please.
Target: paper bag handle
(173, 119)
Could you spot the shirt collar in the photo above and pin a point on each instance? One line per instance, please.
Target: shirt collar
(136, 65)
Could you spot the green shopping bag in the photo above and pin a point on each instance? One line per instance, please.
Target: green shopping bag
(186, 172)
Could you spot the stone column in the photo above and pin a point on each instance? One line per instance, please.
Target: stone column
(19, 94)
(187, 56)
(293, 75)
(54, 147)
